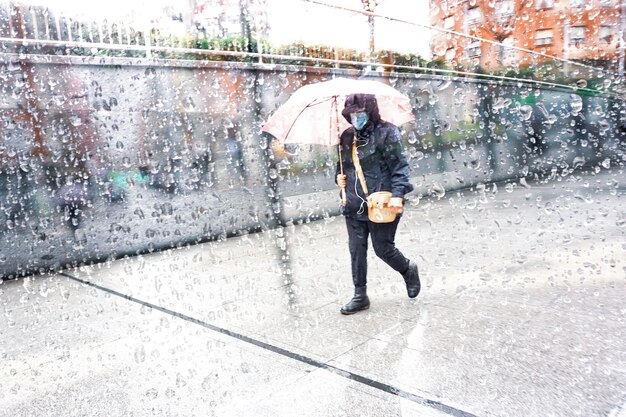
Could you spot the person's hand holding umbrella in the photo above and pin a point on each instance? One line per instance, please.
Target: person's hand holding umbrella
(341, 182)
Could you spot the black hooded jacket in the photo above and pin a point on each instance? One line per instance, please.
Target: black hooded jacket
(379, 147)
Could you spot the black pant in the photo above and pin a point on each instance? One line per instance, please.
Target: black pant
(383, 236)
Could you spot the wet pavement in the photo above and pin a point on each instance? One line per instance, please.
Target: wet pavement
(521, 314)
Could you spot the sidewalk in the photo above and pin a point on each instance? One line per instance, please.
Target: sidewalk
(521, 314)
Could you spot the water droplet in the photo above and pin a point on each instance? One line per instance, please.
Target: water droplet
(444, 85)
(499, 104)
(140, 355)
(43, 289)
(578, 161)
(526, 112)
(139, 213)
(523, 183)
(166, 209)
(440, 48)
(415, 154)
(604, 126)
(576, 102)
(438, 190)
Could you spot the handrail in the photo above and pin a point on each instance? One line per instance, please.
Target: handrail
(260, 56)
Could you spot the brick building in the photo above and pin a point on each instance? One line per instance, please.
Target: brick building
(581, 30)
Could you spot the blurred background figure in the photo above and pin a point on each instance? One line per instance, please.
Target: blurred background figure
(74, 192)
(72, 139)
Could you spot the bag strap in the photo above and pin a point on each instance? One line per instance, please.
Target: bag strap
(357, 166)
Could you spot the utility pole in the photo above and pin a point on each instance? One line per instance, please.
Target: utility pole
(369, 6)
(566, 47)
(622, 26)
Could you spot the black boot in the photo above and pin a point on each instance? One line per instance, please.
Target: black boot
(359, 301)
(412, 280)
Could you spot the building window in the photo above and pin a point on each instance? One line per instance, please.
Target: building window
(504, 9)
(543, 37)
(448, 6)
(577, 35)
(606, 34)
(578, 3)
(474, 16)
(473, 50)
(508, 55)
(544, 4)
(448, 23)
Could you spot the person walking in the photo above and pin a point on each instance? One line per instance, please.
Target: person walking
(374, 147)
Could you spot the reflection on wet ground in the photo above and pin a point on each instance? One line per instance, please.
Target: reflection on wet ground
(522, 314)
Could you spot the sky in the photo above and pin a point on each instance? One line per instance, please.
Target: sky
(107, 9)
(292, 21)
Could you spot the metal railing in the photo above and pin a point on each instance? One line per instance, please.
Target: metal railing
(35, 28)
(52, 28)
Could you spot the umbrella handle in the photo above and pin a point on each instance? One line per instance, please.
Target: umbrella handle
(344, 198)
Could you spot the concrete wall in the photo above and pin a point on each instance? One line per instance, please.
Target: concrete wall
(169, 152)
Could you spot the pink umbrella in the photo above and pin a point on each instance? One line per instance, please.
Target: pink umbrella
(312, 115)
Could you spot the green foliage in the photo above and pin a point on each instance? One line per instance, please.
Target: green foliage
(410, 60)
(526, 72)
(438, 63)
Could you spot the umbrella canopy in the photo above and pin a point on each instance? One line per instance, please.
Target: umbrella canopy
(312, 115)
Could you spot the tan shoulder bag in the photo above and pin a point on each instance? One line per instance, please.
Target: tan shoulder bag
(377, 203)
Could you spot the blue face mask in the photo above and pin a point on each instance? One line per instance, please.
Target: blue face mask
(359, 119)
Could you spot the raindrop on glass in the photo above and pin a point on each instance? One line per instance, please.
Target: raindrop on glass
(582, 83)
(526, 112)
(576, 103)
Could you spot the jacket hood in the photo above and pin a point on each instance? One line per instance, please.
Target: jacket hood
(361, 102)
